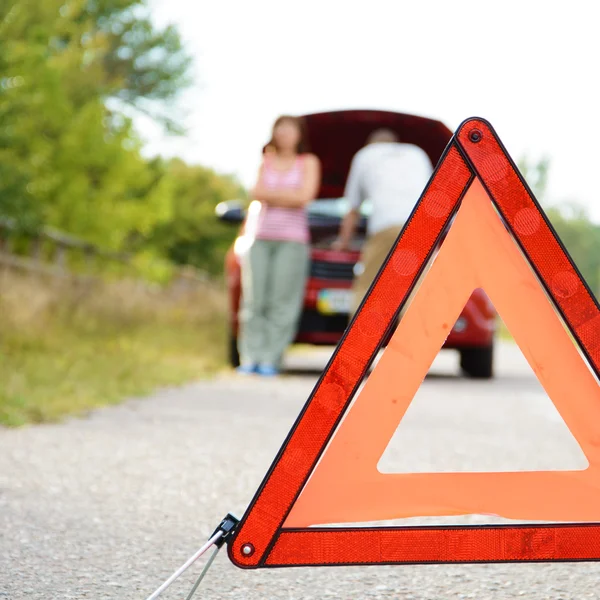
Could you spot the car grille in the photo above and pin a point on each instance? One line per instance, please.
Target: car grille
(312, 321)
(332, 270)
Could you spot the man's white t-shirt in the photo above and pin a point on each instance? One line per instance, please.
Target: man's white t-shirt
(391, 176)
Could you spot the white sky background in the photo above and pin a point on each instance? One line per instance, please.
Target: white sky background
(530, 67)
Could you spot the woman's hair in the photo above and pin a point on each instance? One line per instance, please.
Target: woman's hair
(302, 146)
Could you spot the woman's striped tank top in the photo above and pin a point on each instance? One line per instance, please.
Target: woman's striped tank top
(279, 223)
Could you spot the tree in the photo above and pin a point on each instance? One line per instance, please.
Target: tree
(65, 158)
(131, 61)
(193, 235)
(579, 234)
(536, 175)
(581, 237)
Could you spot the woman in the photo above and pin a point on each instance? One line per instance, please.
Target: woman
(275, 268)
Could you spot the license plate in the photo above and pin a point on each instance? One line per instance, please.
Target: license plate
(331, 302)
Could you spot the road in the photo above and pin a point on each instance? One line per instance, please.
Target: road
(109, 505)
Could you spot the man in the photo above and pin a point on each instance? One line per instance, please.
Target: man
(392, 176)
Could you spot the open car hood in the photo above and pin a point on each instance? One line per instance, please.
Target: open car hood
(335, 137)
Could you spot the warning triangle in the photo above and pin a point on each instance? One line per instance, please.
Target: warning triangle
(326, 472)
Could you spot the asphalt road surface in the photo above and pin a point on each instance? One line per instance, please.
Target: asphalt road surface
(109, 505)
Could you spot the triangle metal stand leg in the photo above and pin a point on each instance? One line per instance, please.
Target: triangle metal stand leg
(204, 571)
(218, 538)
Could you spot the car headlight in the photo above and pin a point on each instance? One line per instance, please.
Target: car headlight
(242, 245)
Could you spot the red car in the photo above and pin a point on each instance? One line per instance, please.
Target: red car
(335, 137)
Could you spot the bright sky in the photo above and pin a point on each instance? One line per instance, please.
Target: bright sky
(528, 66)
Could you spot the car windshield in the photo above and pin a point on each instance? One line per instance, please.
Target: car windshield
(335, 207)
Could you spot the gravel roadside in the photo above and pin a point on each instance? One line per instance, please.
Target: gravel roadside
(109, 505)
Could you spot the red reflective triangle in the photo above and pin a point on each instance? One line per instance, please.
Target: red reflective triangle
(275, 529)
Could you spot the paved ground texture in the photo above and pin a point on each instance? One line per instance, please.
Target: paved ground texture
(108, 506)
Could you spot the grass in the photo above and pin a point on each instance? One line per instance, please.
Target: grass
(69, 348)
(503, 332)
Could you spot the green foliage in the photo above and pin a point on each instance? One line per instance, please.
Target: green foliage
(536, 175)
(66, 159)
(72, 75)
(581, 237)
(579, 234)
(193, 235)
